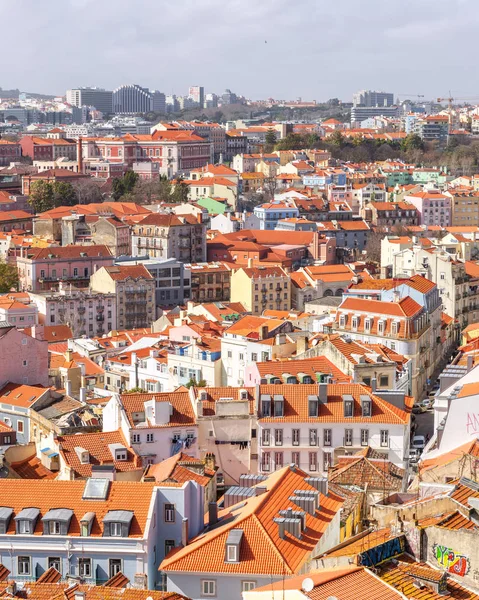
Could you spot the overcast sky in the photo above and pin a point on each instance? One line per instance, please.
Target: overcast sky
(316, 49)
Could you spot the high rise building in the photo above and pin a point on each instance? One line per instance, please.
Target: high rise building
(131, 100)
(197, 94)
(158, 102)
(101, 99)
(372, 98)
(211, 101)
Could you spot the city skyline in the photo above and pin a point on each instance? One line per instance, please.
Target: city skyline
(335, 54)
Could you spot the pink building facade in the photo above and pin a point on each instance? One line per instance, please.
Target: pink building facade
(433, 208)
(23, 359)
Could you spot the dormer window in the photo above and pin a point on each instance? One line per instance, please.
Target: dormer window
(278, 406)
(233, 542)
(54, 527)
(26, 520)
(5, 516)
(116, 523)
(266, 405)
(348, 405)
(366, 407)
(57, 521)
(115, 529)
(313, 405)
(24, 527)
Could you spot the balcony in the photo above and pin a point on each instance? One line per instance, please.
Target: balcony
(100, 308)
(81, 310)
(100, 318)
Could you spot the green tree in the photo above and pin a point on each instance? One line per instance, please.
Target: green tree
(63, 194)
(270, 137)
(130, 179)
(46, 195)
(8, 277)
(337, 139)
(181, 191)
(120, 186)
(412, 142)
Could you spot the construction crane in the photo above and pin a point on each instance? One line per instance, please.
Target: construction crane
(418, 96)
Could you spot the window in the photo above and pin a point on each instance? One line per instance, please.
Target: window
(367, 324)
(348, 437)
(313, 437)
(135, 438)
(54, 528)
(24, 527)
(23, 565)
(327, 460)
(229, 354)
(381, 327)
(265, 461)
(169, 545)
(364, 437)
(278, 437)
(7, 439)
(313, 461)
(278, 460)
(208, 587)
(295, 458)
(348, 408)
(366, 405)
(295, 435)
(313, 407)
(115, 566)
(55, 563)
(115, 529)
(384, 436)
(246, 586)
(265, 437)
(20, 426)
(231, 553)
(254, 357)
(394, 327)
(355, 322)
(169, 513)
(149, 437)
(327, 435)
(384, 381)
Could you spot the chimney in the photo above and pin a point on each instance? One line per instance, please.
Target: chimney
(301, 345)
(210, 461)
(68, 355)
(374, 385)
(470, 362)
(281, 526)
(68, 387)
(184, 532)
(83, 394)
(213, 513)
(323, 393)
(250, 263)
(80, 154)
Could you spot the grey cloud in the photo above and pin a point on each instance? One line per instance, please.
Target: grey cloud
(315, 48)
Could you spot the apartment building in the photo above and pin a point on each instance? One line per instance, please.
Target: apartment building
(433, 128)
(9, 152)
(269, 529)
(249, 340)
(261, 288)
(134, 290)
(23, 358)
(433, 207)
(90, 529)
(269, 214)
(197, 360)
(310, 283)
(390, 214)
(95, 229)
(84, 311)
(43, 269)
(363, 193)
(167, 236)
(210, 281)
(310, 425)
(157, 425)
(465, 207)
(48, 149)
(404, 326)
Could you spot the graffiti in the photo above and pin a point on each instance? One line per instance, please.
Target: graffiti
(454, 563)
(472, 423)
(382, 552)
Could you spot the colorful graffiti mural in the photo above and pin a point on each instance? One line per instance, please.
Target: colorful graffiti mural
(454, 563)
(378, 554)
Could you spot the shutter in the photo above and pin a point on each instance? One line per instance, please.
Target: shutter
(106, 529)
(3, 527)
(64, 527)
(125, 529)
(45, 527)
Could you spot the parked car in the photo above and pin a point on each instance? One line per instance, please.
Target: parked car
(417, 409)
(427, 403)
(414, 454)
(418, 442)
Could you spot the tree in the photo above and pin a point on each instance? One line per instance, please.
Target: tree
(8, 277)
(270, 137)
(45, 195)
(412, 142)
(121, 186)
(181, 191)
(337, 139)
(87, 191)
(270, 185)
(373, 246)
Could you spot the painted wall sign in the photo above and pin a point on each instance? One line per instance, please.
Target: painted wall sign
(472, 423)
(382, 552)
(454, 563)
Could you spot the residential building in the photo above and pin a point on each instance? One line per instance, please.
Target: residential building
(310, 424)
(389, 214)
(433, 128)
(261, 288)
(433, 207)
(23, 359)
(17, 313)
(270, 214)
(9, 152)
(157, 425)
(91, 529)
(261, 535)
(17, 403)
(465, 207)
(197, 360)
(85, 230)
(101, 99)
(168, 236)
(361, 113)
(145, 368)
(249, 340)
(235, 145)
(310, 283)
(84, 311)
(350, 236)
(300, 370)
(45, 268)
(365, 192)
(372, 98)
(197, 94)
(15, 219)
(134, 288)
(328, 583)
(172, 278)
(404, 326)
(210, 282)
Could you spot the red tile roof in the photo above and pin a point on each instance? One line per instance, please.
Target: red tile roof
(121, 273)
(183, 413)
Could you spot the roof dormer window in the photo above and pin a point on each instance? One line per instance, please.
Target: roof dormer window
(233, 542)
(26, 520)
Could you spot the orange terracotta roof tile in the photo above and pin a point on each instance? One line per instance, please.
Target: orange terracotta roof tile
(261, 550)
(183, 413)
(177, 469)
(32, 468)
(308, 366)
(21, 395)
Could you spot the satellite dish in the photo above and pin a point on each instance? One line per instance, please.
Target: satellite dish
(331, 598)
(307, 585)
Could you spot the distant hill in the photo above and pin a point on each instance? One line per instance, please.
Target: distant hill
(15, 93)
